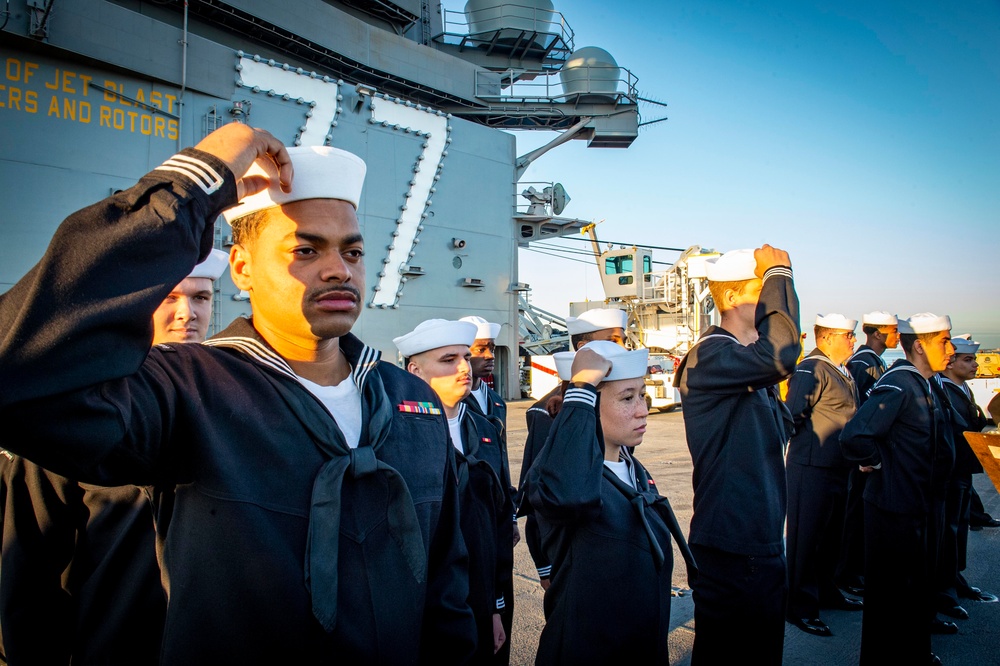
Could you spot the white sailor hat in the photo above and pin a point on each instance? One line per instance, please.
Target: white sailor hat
(836, 321)
(733, 266)
(879, 318)
(213, 267)
(597, 320)
(964, 344)
(321, 172)
(485, 330)
(625, 364)
(435, 333)
(924, 322)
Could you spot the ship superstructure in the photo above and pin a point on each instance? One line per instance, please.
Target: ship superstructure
(95, 93)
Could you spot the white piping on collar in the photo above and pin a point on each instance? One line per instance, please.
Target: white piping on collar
(261, 353)
(826, 359)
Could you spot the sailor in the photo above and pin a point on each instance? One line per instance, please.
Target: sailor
(822, 398)
(596, 324)
(437, 351)
(483, 398)
(603, 523)
(186, 312)
(280, 446)
(899, 434)
(737, 429)
(866, 366)
(951, 584)
(80, 580)
(489, 403)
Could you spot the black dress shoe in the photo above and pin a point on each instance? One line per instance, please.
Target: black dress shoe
(843, 603)
(814, 626)
(935, 660)
(956, 612)
(939, 626)
(991, 522)
(975, 594)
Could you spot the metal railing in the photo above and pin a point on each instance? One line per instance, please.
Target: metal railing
(590, 82)
(508, 16)
(516, 31)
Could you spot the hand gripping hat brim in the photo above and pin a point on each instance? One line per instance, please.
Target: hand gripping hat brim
(213, 267)
(879, 318)
(597, 319)
(836, 321)
(321, 172)
(625, 364)
(484, 330)
(733, 266)
(435, 333)
(924, 322)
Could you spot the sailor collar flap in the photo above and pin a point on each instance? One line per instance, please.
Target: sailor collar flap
(817, 355)
(343, 466)
(241, 336)
(902, 366)
(714, 332)
(865, 349)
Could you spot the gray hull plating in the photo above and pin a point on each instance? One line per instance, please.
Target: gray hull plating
(101, 92)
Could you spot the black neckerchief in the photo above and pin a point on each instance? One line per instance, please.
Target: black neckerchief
(344, 464)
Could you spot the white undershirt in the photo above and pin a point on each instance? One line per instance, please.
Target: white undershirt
(455, 428)
(621, 470)
(480, 395)
(343, 401)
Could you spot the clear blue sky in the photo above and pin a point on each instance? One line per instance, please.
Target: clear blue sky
(863, 137)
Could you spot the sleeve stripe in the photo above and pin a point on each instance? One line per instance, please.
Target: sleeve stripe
(545, 572)
(200, 173)
(783, 271)
(580, 395)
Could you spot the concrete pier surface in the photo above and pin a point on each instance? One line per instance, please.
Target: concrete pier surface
(664, 453)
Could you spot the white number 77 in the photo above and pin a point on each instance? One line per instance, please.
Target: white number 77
(323, 96)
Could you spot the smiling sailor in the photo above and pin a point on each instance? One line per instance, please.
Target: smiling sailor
(281, 445)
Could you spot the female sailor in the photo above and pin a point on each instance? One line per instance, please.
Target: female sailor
(604, 526)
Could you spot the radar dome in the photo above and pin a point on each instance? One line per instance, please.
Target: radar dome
(495, 16)
(590, 71)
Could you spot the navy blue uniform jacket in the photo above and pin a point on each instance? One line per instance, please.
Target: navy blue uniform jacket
(80, 580)
(610, 596)
(903, 428)
(235, 446)
(486, 506)
(822, 399)
(865, 367)
(737, 427)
